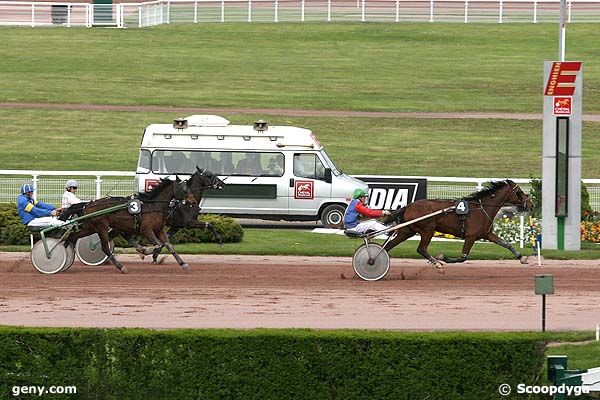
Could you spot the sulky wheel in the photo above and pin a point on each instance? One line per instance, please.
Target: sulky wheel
(371, 262)
(89, 250)
(57, 260)
(70, 257)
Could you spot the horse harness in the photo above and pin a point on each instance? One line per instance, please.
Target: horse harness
(461, 208)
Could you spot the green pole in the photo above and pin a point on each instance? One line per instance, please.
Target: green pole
(560, 232)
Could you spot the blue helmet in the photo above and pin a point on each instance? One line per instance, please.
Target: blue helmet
(26, 188)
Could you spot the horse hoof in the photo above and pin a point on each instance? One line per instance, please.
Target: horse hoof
(142, 256)
(440, 270)
(185, 266)
(439, 256)
(124, 270)
(524, 260)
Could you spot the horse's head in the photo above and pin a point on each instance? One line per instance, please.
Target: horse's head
(518, 198)
(181, 191)
(204, 179)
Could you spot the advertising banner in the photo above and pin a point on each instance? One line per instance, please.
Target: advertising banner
(391, 193)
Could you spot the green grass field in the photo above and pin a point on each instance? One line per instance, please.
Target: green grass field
(350, 66)
(374, 66)
(102, 140)
(580, 356)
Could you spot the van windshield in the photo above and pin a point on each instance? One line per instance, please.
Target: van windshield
(219, 162)
(330, 163)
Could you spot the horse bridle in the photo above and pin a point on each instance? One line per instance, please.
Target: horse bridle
(523, 200)
(215, 185)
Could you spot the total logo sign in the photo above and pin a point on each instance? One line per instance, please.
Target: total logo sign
(304, 190)
(562, 105)
(391, 193)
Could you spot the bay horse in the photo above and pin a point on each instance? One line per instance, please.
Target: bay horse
(150, 224)
(184, 214)
(477, 224)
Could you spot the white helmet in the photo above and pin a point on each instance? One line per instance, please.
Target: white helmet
(71, 183)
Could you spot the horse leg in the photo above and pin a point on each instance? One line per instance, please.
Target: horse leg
(155, 253)
(195, 224)
(466, 249)
(157, 250)
(104, 239)
(492, 237)
(401, 235)
(142, 251)
(426, 237)
(163, 238)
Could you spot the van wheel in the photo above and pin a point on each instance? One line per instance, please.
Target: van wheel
(333, 216)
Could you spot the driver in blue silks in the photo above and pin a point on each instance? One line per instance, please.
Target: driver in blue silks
(35, 213)
(357, 208)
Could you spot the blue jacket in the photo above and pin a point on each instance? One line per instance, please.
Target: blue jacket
(351, 215)
(355, 209)
(30, 209)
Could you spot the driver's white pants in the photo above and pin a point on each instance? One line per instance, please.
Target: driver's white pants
(45, 221)
(370, 225)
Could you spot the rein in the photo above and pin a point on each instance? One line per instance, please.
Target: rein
(483, 205)
(213, 186)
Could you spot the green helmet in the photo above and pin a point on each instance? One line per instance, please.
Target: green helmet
(358, 193)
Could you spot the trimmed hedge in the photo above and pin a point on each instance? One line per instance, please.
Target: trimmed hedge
(228, 228)
(13, 232)
(269, 364)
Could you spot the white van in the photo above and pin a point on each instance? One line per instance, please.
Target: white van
(271, 172)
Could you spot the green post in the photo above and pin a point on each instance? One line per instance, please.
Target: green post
(103, 12)
(560, 233)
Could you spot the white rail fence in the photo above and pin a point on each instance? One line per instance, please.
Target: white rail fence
(203, 11)
(96, 184)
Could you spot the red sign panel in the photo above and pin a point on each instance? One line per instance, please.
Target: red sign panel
(561, 81)
(150, 183)
(304, 190)
(562, 105)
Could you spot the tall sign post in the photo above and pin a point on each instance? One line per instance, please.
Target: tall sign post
(561, 155)
(561, 162)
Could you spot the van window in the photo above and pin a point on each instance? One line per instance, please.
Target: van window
(330, 163)
(308, 165)
(144, 162)
(257, 164)
(219, 162)
(171, 162)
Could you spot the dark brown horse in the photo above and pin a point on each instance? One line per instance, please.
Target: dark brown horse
(477, 224)
(153, 211)
(184, 214)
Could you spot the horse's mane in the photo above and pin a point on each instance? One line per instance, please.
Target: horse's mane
(489, 188)
(155, 190)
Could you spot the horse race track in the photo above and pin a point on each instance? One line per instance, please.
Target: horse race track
(308, 292)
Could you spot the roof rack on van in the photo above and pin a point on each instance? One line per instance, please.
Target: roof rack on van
(206, 120)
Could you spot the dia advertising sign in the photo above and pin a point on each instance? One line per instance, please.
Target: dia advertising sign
(390, 193)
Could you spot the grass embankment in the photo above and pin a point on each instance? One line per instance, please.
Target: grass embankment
(99, 140)
(347, 66)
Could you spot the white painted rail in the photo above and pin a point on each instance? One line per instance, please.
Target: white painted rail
(205, 11)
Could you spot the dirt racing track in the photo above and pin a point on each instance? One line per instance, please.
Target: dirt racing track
(307, 292)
